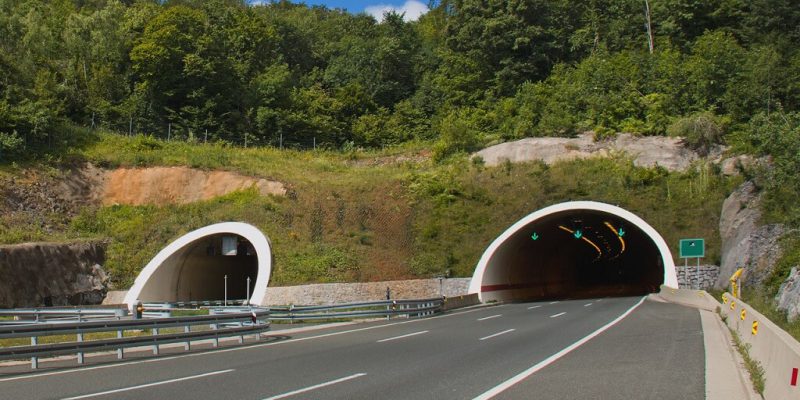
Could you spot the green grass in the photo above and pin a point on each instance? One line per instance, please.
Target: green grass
(766, 306)
(366, 216)
(189, 313)
(754, 368)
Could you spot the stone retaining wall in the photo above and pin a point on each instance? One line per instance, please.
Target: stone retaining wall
(337, 293)
(688, 277)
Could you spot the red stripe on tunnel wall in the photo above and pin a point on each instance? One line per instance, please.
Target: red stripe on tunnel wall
(794, 376)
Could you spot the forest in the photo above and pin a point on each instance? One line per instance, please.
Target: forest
(467, 74)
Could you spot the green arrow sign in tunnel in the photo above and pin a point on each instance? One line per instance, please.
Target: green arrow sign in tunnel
(574, 249)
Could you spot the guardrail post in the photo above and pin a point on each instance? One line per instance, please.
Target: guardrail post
(155, 346)
(80, 339)
(120, 353)
(216, 338)
(34, 342)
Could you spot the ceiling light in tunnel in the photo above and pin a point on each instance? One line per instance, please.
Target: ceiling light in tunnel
(578, 234)
(619, 233)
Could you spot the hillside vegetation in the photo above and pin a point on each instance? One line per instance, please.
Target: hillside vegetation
(377, 117)
(373, 215)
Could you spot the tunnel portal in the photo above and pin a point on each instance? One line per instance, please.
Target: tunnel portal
(574, 250)
(204, 264)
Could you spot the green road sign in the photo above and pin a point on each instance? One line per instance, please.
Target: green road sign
(693, 248)
(535, 236)
(578, 234)
(621, 232)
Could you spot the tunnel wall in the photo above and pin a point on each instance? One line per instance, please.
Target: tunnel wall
(159, 278)
(490, 285)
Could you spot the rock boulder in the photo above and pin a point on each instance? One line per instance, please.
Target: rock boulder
(649, 151)
(788, 295)
(745, 244)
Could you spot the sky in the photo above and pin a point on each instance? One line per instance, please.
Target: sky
(413, 9)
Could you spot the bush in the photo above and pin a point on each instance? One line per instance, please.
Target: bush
(700, 131)
(777, 135)
(455, 135)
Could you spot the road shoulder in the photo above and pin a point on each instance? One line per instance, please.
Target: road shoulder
(726, 378)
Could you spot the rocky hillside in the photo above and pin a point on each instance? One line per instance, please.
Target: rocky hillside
(47, 274)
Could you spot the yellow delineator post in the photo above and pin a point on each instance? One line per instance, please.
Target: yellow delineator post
(736, 288)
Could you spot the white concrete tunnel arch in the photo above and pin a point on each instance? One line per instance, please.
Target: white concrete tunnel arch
(159, 279)
(482, 277)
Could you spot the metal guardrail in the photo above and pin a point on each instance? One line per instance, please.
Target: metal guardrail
(225, 321)
(222, 325)
(51, 314)
(384, 308)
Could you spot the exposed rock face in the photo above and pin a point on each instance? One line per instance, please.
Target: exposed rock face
(65, 192)
(62, 192)
(732, 166)
(51, 274)
(649, 151)
(162, 185)
(788, 295)
(744, 243)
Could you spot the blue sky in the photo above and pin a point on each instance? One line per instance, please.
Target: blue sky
(412, 8)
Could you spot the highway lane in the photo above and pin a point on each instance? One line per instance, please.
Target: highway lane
(458, 355)
(613, 365)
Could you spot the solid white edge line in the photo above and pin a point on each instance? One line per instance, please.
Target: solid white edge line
(549, 360)
(557, 315)
(553, 302)
(273, 333)
(310, 388)
(186, 378)
(402, 336)
(587, 304)
(497, 334)
(532, 307)
(490, 317)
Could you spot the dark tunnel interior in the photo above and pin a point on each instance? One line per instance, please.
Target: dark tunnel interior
(575, 254)
(204, 269)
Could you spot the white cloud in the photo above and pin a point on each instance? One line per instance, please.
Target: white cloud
(411, 10)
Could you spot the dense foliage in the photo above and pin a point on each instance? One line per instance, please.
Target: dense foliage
(467, 73)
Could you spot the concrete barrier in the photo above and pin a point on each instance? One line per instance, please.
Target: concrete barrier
(777, 351)
(461, 301)
(690, 298)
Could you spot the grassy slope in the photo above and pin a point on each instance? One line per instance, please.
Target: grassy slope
(354, 216)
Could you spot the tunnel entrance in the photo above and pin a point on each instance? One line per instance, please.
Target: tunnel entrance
(574, 250)
(204, 264)
(208, 267)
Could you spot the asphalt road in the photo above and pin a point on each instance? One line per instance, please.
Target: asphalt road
(544, 350)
